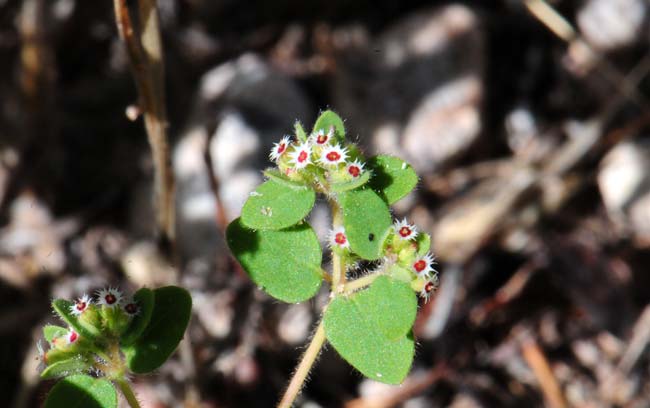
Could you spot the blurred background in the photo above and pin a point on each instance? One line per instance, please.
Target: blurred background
(527, 121)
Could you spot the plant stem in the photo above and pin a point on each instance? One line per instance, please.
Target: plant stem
(304, 367)
(338, 266)
(361, 282)
(128, 393)
(316, 344)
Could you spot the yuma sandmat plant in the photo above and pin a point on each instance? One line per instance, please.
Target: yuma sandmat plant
(108, 339)
(367, 320)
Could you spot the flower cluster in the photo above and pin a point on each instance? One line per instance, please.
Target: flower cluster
(320, 153)
(92, 322)
(403, 251)
(410, 253)
(106, 298)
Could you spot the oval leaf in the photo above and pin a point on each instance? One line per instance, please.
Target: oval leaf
(285, 264)
(273, 206)
(424, 242)
(82, 391)
(50, 332)
(145, 300)
(352, 184)
(64, 309)
(275, 175)
(300, 131)
(392, 178)
(357, 327)
(65, 368)
(367, 221)
(171, 314)
(390, 304)
(329, 119)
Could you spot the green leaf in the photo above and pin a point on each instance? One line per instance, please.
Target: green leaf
(424, 242)
(366, 220)
(391, 304)
(393, 178)
(400, 273)
(371, 329)
(285, 264)
(352, 184)
(329, 119)
(50, 332)
(278, 177)
(82, 391)
(145, 299)
(64, 368)
(63, 308)
(300, 131)
(171, 314)
(273, 206)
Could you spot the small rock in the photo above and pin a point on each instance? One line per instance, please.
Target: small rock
(295, 323)
(611, 24)
(624, 183)
(416, 88)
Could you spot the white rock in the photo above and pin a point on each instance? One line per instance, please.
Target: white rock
(444, 124)
(610, 24)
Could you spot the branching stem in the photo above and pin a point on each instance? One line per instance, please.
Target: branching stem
(313, 350)
(362, 282)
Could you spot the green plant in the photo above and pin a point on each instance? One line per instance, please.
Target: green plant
(368, 320)
(111, 338)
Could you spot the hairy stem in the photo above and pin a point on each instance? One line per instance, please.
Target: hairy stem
(361, 282)
(338, 265)
(304, 367)
(125, 387)
(317, 341)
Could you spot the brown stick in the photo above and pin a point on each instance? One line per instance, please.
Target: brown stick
(146, 60)
(539, 364)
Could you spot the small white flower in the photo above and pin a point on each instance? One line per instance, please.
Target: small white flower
(301, 155)
(320, 138)
(423, 266)
(80, 305)
(337, 238)
(355, 168)
(110, 297)
(279, 148)
(404, 230)
(72, 336)
(429, 287)
(333, 155)
(131, 307)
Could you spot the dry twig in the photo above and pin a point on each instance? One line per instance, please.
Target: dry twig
(146, 58)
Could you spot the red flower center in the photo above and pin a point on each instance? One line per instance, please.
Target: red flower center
(281, 148)
(339, 238)
(81, 306)
(110, 299)
(429, 287)
(354, 171)
(302, 156)
(131, 308)
(405, 231)
(73, 337)
(333, 156)
(420, 265)
(321, 139)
